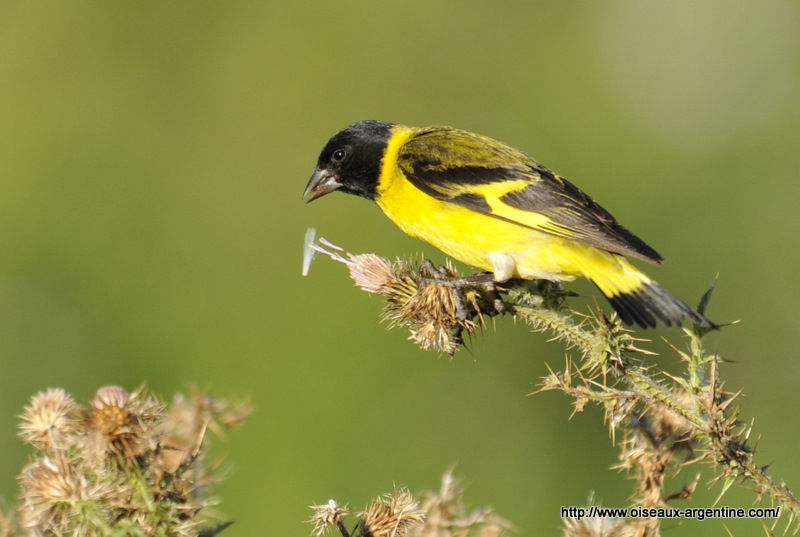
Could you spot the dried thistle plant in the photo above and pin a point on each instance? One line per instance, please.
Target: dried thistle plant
(667, 423)
(126, 464)
(448, 515)
(49, 419)
(327, 516)
(442, 514)
(390, 515)
(436, 314)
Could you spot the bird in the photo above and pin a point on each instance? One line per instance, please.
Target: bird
(494, 208)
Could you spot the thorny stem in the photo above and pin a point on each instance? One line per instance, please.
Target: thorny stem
(341, 527)
(565, 329)
(708, 419)
(650, 389)
(739, 460)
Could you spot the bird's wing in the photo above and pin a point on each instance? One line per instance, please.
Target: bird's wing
(492, 178)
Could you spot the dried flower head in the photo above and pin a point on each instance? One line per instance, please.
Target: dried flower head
(420, 298)
(188, 415)
(372, 273)
(109, 397)
(390, 515)
(327, 516)
(432, 317)
(375, 274)
(122, 423)
(49, 419)
(50, 486)
(187, 421)
(447, 514)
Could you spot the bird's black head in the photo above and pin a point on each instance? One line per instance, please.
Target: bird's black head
(351, 161)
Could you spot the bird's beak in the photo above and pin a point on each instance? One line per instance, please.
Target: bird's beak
(322, 182)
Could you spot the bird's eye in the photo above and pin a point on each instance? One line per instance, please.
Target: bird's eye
(339, 155)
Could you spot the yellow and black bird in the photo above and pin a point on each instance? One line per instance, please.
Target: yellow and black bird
(493, 207)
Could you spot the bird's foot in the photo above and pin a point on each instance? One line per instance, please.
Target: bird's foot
(459, 284)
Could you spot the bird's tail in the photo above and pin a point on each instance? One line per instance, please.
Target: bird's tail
(638, 299)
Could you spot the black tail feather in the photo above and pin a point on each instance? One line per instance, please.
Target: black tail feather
(650, 303)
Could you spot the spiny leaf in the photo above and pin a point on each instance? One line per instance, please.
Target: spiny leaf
(706, 298)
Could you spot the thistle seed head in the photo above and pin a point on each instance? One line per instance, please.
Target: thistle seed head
(327, 516)
(49, 419)
(391, 515)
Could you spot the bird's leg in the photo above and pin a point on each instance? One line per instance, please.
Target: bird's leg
(484, 278)
(487, 279)
(499, 305)
(458, 285)
(458, 301)
(427, 269)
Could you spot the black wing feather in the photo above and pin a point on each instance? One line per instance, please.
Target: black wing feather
(451, 165)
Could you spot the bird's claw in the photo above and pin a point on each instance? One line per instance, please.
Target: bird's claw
(459, 284)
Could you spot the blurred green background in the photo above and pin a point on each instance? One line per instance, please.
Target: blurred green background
(152, 159)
